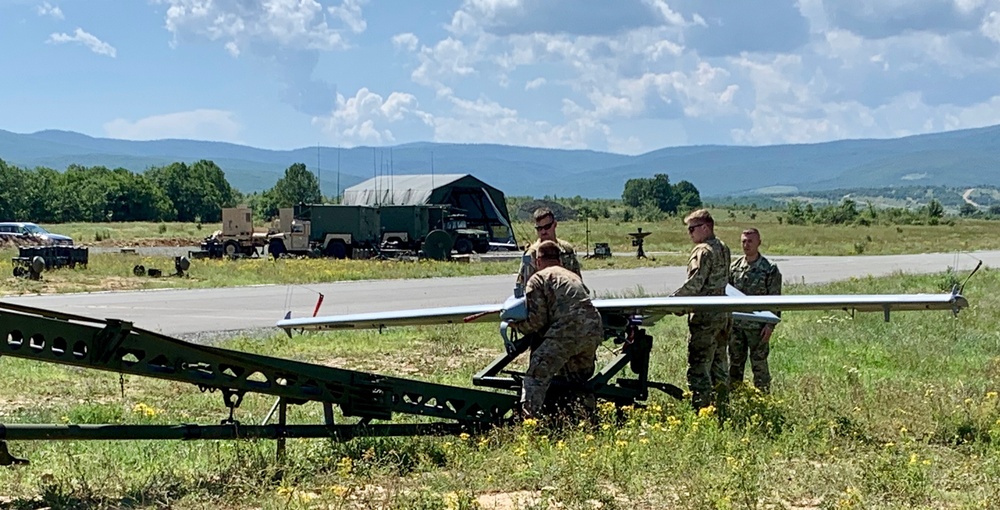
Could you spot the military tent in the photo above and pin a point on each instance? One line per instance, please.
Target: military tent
(484, 205)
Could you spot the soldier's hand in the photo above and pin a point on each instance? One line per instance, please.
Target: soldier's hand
(765, 333)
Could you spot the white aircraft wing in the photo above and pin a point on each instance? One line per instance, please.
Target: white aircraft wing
(375, 320)
(650, 309)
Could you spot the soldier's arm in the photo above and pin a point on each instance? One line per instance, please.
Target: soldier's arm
(537, 300)
(774, 281)
(697, 274)
(525, 271)
(574, 264)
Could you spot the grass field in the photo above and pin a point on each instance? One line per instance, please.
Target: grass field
(668, 245)
(864, 414)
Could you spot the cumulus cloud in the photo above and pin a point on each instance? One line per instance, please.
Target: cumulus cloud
(287, 34)
(215, 125)
(366, 117)
(294, 24)
(534, 84)
(85, 39)
(886, 18)
(47, 9)
(407, 41)
(577, 17)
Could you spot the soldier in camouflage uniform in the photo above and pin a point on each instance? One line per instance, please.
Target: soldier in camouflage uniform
(708, 274)
(560, 311)
(753, 275)
(545, 226)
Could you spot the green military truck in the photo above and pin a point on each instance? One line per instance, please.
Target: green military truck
(435, 230)
(338, 231)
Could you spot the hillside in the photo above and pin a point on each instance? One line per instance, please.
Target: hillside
(968, 157)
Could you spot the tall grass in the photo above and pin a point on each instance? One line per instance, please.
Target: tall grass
(863, 414)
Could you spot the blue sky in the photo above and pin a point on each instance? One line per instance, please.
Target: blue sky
(625, 76)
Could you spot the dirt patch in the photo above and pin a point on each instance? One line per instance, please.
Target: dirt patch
(509, 500)
(172, 242)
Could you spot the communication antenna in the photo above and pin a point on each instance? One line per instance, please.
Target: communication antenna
(340, 199)
(319, 174)
(967, 278)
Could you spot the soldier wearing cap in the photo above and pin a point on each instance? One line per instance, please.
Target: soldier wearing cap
(545, 226)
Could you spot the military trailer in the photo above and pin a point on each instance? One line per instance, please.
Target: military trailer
(338, 231)
(237, 237)
(434, 230)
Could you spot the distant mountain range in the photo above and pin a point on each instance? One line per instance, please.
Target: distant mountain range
(969, 157)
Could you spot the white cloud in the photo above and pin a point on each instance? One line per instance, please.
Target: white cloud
(88, 40)
(448, 59)
(364, 118)
(239, 24)
(215, 125)
(47, 9)
(287, 36)
(350, 13)
(407, 41)
(535, 84)
(991, 26)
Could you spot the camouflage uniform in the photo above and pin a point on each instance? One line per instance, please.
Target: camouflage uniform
(567, 259)
(560, 311)
(708, 274)
(757, 278)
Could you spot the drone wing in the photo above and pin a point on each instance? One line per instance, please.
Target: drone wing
(649, 309)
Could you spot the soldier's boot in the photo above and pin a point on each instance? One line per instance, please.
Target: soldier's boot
(700, 400)
(722, 401)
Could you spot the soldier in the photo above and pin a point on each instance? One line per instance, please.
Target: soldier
(568, 325)
(708, 274)
(545, 226)
(753, 275)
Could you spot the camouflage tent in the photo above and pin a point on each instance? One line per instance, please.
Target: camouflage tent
(484, 205)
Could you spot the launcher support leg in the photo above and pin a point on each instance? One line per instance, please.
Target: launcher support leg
(282, 421)
(6, 459)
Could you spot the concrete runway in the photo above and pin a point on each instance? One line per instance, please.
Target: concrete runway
(187, 312)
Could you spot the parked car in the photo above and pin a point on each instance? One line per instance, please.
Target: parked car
(21, 232)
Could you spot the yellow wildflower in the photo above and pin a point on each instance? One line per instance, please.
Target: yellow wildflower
(344, 466)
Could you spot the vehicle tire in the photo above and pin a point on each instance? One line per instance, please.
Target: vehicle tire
(482, 247)
(463, 246)
(437, 245)
(231, 249)
(336, 249)
(276, 248)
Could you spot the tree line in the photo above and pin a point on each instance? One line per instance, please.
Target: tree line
(198, 191)
(194, 192)
(848, 213)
